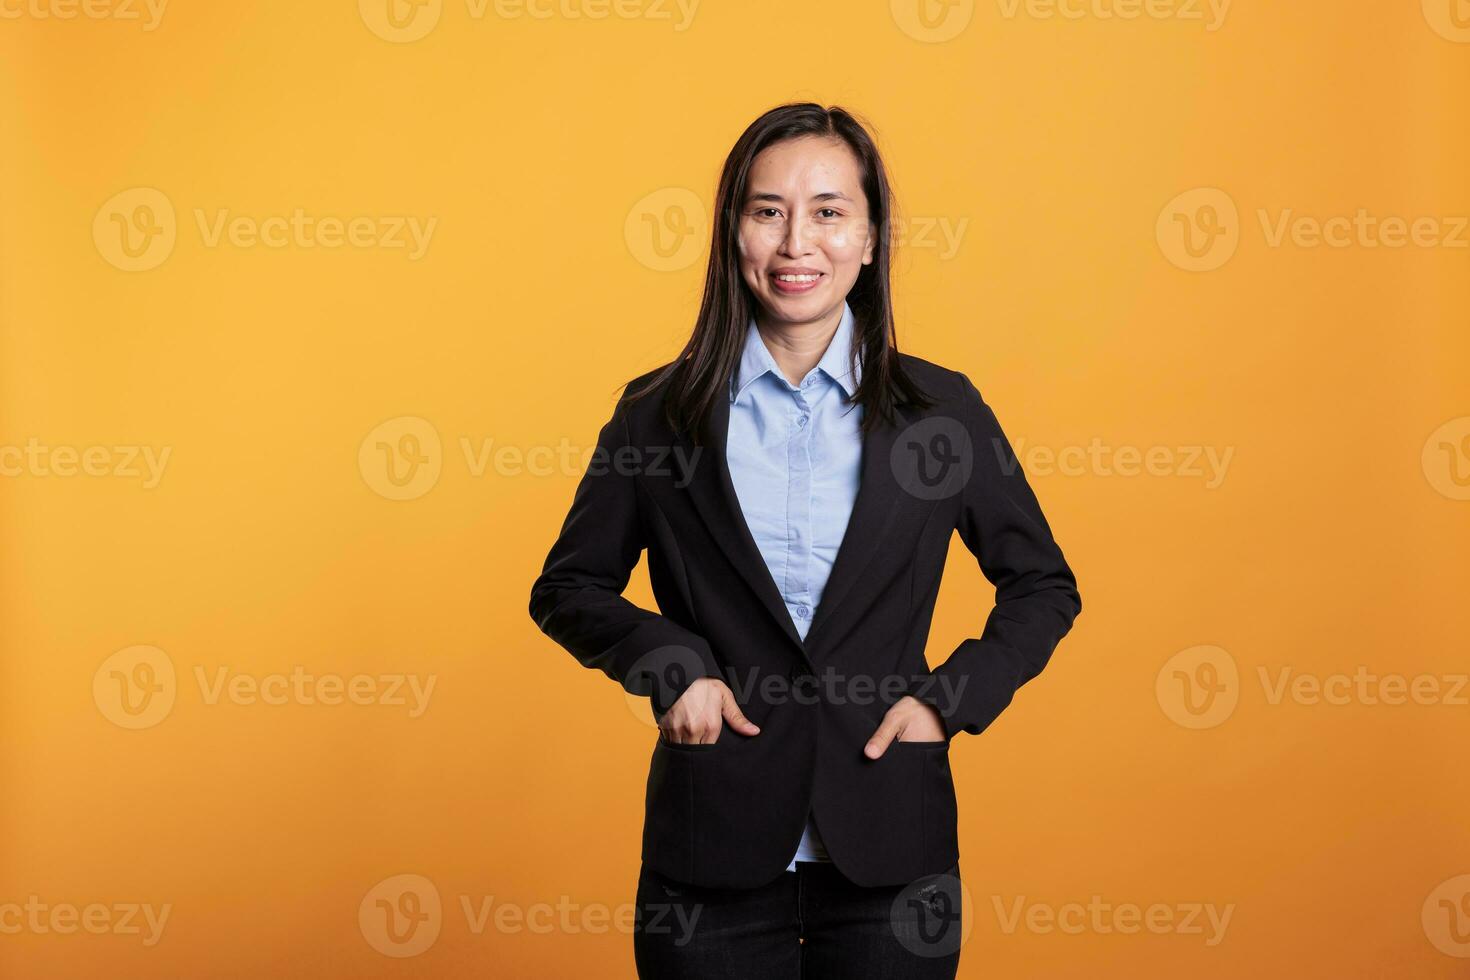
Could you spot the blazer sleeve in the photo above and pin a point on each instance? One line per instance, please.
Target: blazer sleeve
(1036, 597)
(577, 599)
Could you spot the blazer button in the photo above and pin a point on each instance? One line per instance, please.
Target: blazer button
(803, 685)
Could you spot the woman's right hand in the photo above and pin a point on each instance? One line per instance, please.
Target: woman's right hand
(700, 712)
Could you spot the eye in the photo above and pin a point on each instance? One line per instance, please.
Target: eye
(830, 212)
(761, 212)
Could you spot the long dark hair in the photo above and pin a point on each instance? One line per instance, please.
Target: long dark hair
(702, 371)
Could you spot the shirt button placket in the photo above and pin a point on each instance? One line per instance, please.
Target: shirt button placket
(799, 510)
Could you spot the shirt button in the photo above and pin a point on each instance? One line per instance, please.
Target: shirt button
(802, 611)
(802, 420)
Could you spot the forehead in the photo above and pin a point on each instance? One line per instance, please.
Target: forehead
(804, 167)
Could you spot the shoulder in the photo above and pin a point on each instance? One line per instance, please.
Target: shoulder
(950, 388)
(648, 409)
(646, 379)
(952, 391)
(955, 397)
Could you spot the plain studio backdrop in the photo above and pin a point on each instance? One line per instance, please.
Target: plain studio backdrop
(309, 316)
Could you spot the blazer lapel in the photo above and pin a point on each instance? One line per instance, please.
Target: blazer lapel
(714, 497)
(872, 516)
(713, 493)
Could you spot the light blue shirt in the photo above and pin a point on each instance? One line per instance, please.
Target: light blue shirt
(795, 454)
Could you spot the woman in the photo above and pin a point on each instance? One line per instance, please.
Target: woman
(796, 482)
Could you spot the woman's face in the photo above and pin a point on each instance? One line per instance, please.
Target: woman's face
(804, 232)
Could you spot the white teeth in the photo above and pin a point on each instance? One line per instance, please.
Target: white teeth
(798, 278)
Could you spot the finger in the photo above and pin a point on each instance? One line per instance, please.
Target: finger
(687, 735)
(683, 726)
(736, 718)
(886, 733)
(702, 726)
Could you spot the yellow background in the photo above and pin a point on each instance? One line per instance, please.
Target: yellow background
(540, 146)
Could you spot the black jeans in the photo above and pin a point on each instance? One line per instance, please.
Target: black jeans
(811, 923)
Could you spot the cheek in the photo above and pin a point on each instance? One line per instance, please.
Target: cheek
(845, 245)
(848, 238)
(748, 240)
(754, 245)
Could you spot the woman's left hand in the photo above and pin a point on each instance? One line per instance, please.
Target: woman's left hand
(908, 720)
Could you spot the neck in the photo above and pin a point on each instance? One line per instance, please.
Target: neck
(797, 347)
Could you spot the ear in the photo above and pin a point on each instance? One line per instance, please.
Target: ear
(868, 248)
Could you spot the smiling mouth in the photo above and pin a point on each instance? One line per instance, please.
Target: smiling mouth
(804, 277)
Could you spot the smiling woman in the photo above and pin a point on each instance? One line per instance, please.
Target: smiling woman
(794, 202)
(800, 814)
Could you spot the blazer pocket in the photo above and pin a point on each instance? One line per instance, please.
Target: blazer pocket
(941, 809)
(686, 746)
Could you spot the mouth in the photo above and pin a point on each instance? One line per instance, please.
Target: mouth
(796, 282)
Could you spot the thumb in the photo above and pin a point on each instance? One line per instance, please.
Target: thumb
(878, 743)
(733, 716)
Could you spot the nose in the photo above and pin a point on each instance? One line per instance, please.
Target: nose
(797, 238)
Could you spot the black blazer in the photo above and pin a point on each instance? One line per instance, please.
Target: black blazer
(730, 813)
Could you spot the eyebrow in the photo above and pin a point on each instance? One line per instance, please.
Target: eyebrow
(824, 196)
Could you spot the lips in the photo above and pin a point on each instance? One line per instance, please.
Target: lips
(807, 280)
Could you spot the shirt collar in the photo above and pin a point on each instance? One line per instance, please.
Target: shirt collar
(756, 359)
